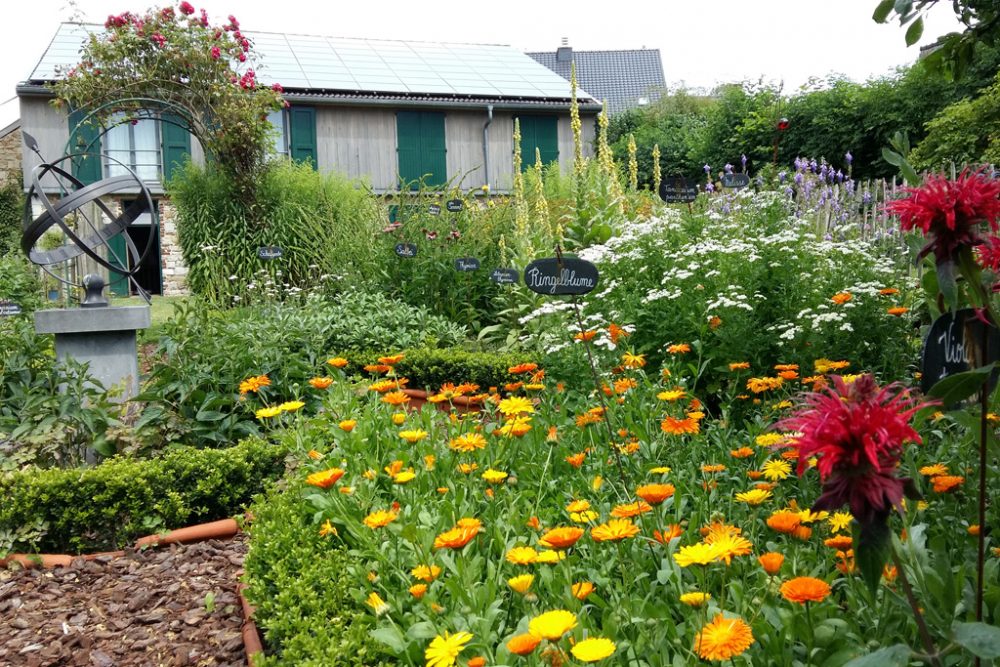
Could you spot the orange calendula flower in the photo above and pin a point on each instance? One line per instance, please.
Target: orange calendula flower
(888, 291)
(378, 368)
(379, 519)
(654, 494)
(391, 360)
(710, 468)
(935, 470)
(788, 375)
(468, 442)
(678, 348)
(898, 310)
(714, 322)
(347, 425)
(523, 644)
(321, 382)
(396, 398)
(805, 589)
(314, 455)
(576, 460)
(254, 384)
(629, 510)
(614, 530)
(771, 562)
(841, 298)
(337, 362)
(459, 536)
(630, 360)
(784, 521)
(616, 333)
(478, 661)
(561, 538)
(739, 365)
(325, 478)
(670, 532)
(522, 368)
(839, 542)
(585, 335)
(946, 483)
(533, 523)
(468, 468)
(762, 384)
(418, 590)
(723, 638)
(582, 589)
(674, 426)
(578, 506)
(588, 418)
(741, 453)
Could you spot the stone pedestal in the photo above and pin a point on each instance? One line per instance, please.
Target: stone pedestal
(102, 337)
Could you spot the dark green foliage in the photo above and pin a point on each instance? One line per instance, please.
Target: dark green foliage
(427, 368)
(325, 224)
(204, 354)
(11, 210)
(967, 132)
(110, 505)
(19, 281)
(304, 605)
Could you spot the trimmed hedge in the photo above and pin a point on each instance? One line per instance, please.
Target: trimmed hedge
(430, 368)
(303, 602)
(110, 505)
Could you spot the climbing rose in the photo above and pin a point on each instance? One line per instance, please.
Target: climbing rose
(187, 8)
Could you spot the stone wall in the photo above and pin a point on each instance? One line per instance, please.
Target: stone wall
(10, 156)
(174, 271)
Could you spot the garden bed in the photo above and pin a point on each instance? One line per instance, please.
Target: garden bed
(170, 606)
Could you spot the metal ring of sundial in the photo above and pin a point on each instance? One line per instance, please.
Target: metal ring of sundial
(54, 215)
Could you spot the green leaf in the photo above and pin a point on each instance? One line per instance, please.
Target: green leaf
(960, 386)
(948, 284)
(871, 551)
(915, 31)
(892, 157)
(891, 656)
(391, 637)
(882, 11)
(909, 173)
(422, 630)
(980, 639)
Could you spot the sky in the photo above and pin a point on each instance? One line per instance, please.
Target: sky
(702, 43)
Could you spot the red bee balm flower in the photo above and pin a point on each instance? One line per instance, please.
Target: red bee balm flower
(948, 212)
(857, 432)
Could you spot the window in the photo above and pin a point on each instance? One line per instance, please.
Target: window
(296, 133)
(280, 137)
(538, 132)
(135, 144)
(420, 145)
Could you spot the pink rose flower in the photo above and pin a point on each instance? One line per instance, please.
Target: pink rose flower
(187, 8)
(216, 53)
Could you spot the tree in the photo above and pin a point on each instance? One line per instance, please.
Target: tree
(967, 132)
(953, 53)
(202, 74)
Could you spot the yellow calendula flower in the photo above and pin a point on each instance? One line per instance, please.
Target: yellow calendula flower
(468, 442)
(776, 469)
(426, 573)
(593, 649)
(444, 649)
(267, 413)
(398, 418)
(696, 554)
(586, 516)
(516, 405)
(671, 395)
(404, 477)
(630, 360)
(840, 522)
(769, 439)
(413, 436)
(695, 599)
(659, 470)
(378, 605)
(521, 583)
(596, 483)
(550, 556)
(552, 625)
(291, 406)
(522, 555)
(328, 529)
(379, 519)
(754, 496)
(493, 476)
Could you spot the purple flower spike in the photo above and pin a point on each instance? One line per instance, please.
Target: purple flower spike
(710, 188)
(798, 178)
(781, 176)
(729, 168)
(743, 160)
(848, 158)
(708, 170)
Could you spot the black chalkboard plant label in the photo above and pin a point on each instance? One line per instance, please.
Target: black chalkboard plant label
(677, 190)
(406, 250)
(8, 308)
(505, 276)
(735, 181)
(570, 275)
(954, 345)
(434, 209)
(466, 264)
(269, 252)
(455, 205)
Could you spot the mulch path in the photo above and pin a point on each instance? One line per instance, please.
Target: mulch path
(146, 608)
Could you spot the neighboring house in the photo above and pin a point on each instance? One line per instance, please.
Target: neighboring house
(10, 141)
(390, 112)
(623, 79)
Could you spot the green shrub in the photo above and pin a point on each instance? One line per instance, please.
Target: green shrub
(304, 604)
(324, 223)
(11, 210)
(19, 280)
(431, 368)
(111, 504)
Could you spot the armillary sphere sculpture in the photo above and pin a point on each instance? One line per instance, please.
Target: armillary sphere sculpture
(99, 233)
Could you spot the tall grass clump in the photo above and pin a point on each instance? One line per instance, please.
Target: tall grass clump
(324, 223)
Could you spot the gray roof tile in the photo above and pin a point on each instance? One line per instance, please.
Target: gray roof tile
(619, 77)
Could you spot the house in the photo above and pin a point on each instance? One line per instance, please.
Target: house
(624, 79)
(391, 112)
(10, 141)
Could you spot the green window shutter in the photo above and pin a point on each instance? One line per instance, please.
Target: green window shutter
(86, 139)
(408, 146)
(420, 147)
(176, 145)
(118, 256)
(302, 134)
(432, 145)
(539, 132)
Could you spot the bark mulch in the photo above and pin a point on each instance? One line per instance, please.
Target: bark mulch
(147, 608)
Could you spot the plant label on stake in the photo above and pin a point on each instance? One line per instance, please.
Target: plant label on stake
(505, 276)
(675, 190)
(953, 346)
(269, 252)
(455, 205)
(466, 264)
(406, 250)
(735, 181)
(434, 209)
(567, 276)
(8, 308)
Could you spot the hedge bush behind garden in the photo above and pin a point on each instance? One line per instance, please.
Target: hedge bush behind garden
(110, 505)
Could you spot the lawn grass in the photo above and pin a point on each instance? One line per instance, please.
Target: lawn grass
(161, 309)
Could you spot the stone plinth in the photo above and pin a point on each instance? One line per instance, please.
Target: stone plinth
(101, 337)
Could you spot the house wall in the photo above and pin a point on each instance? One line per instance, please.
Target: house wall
(49, 127)
(10, 155)
(360, 143)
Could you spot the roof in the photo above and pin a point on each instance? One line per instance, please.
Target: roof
(359, 68)
(10, 116)
(620, 78)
